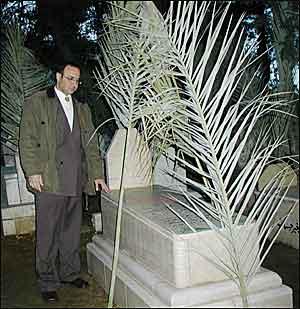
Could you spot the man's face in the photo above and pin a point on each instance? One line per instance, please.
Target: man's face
(68, 81)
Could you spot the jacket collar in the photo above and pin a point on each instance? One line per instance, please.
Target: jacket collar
(51, 94)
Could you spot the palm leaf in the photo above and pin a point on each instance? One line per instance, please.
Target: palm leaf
(180, 99)
(216, 134)
(131, 76)
(21, 76)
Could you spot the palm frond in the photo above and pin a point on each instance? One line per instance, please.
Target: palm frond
(217, 131)
(131, 76)
(21, 76)
(185, 91)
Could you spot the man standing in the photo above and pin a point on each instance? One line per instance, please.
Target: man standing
(59, 163)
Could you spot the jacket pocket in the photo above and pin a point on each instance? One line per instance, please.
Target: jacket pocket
(50, 177)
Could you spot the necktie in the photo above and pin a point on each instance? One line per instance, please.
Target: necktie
(67, 99)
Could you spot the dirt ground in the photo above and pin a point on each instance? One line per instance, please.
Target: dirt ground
(18, 281)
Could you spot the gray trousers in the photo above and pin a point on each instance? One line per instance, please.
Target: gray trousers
(58, 222)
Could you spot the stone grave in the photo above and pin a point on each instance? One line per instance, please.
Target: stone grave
(162, 263)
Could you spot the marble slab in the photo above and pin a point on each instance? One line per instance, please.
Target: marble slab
(157, 239)
(289, 234)
(137, 168)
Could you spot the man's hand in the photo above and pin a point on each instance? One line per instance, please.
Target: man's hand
(36, 182)
(100, 184)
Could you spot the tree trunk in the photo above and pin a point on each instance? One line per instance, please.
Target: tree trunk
(285, 30)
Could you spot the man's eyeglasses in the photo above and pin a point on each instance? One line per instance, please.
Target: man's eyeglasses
(72, 79)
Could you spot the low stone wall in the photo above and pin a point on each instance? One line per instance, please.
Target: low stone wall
(18, 220)
(18, 216)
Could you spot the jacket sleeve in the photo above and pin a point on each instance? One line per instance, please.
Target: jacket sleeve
(29, 139)
(94, 161)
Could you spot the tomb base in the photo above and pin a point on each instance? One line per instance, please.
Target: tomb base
(138, 287)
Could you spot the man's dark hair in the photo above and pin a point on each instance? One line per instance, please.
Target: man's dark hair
(61, 66)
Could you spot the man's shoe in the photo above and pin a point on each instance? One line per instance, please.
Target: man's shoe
(78, 283)
(49, 296)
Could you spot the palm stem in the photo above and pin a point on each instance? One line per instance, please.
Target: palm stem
(243, 289)
(118, 226)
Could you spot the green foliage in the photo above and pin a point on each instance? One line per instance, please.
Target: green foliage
(21, 76)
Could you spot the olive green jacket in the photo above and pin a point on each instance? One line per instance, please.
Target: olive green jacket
(37, 144)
